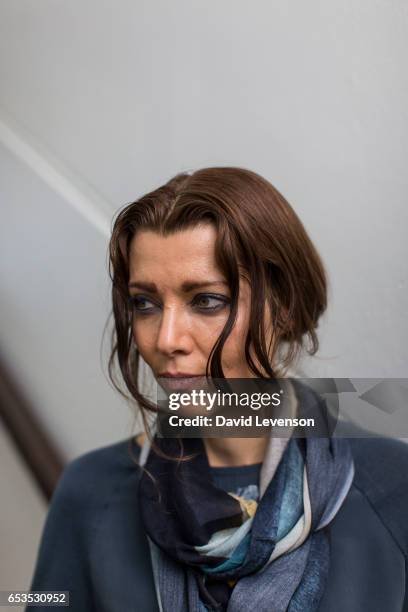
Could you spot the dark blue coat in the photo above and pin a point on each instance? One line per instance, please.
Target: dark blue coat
(93, 543)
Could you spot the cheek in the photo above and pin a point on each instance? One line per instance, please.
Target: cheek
(234, 348)
(143, 336)
(206, 330)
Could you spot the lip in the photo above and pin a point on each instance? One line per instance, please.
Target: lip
(180, 381)
(178, 375)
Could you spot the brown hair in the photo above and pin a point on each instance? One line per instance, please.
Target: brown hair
(258, 235)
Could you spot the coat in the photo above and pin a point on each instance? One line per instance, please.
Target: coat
(93, 543)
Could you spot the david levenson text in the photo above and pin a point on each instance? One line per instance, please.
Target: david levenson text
(249, 421)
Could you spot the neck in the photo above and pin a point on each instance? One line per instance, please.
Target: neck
(225, 452)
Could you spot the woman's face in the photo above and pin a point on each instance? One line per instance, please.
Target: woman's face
(181, 303)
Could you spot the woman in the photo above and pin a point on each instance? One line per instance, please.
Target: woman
(214, 275)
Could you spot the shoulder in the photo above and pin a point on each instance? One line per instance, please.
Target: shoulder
(87, 481)
(117, 457)
(381, 466)
(381, 475)
(88, 486)
(380, 460)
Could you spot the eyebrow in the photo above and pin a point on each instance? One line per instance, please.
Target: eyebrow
(185, 287)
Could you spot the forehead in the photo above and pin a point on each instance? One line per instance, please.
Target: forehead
(185, 252)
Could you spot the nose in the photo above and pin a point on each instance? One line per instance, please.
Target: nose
(173, 335)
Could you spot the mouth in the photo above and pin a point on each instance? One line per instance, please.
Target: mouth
(182, 381)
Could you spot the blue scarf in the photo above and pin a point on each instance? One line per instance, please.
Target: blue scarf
(268, 555)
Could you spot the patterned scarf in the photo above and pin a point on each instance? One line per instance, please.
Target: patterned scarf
(271, 554)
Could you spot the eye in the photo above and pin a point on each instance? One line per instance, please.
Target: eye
(210, 302)
(141, 303)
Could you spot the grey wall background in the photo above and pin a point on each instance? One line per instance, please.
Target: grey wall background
(104, 100)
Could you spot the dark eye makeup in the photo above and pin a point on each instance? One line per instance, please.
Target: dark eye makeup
(137, 302)
(206, 303)
(218, 301)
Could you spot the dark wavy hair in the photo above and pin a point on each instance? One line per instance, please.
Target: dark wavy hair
(258, 235)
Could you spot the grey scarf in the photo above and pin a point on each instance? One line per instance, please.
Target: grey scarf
(283, 555)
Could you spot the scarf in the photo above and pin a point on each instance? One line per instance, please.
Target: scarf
(214, 550)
